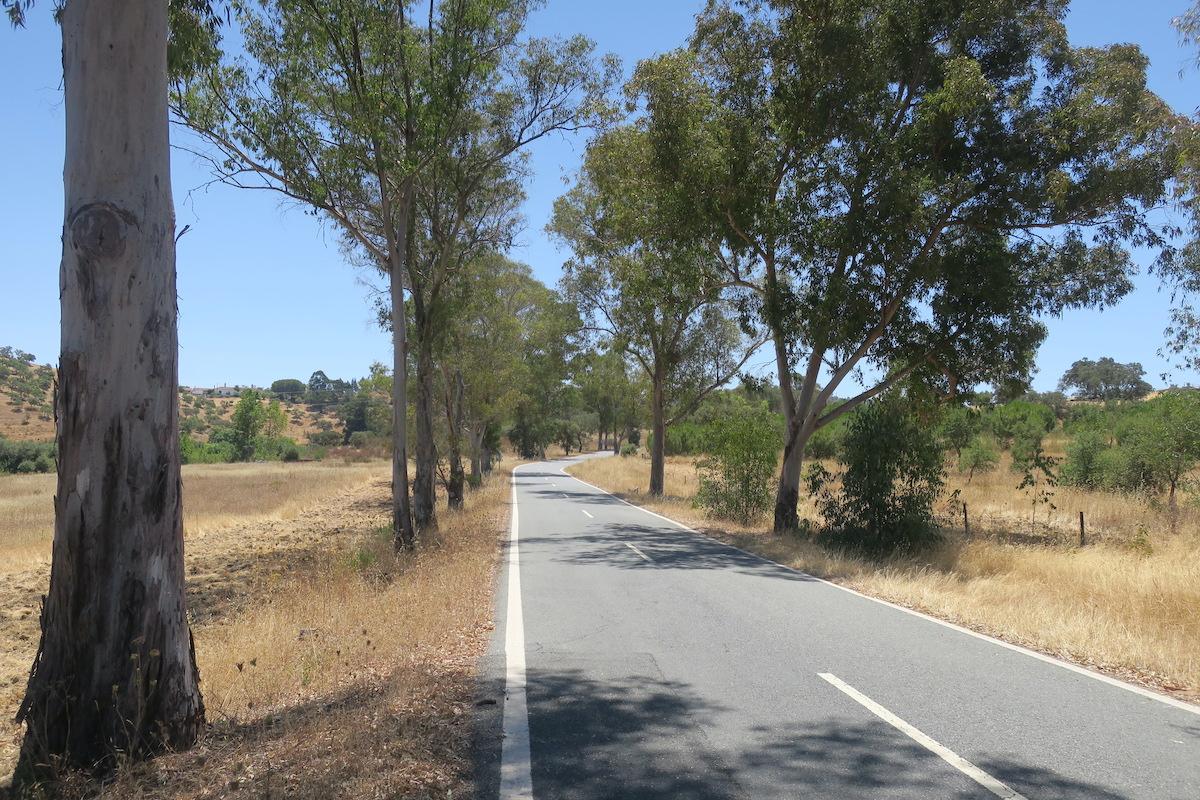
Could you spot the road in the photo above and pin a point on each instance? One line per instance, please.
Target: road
(636, 659)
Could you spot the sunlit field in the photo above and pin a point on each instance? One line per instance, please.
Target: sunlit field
(1126, 603)
(305, 623)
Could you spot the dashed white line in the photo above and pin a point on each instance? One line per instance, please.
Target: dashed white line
(639, 552)
(1191, 708)
(941, 751)
(586, 514)
(516, 782)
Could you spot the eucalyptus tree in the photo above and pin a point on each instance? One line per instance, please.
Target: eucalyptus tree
(927, 181)
(344, 105)
(608, 391)
(467, 198)
(1181, 273)
(657, 298)
(115, 671)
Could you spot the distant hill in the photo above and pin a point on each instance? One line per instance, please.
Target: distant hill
(26, 396)
(27, 405)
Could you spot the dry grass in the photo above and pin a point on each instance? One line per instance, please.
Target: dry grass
(1127, 605)
(330, 667)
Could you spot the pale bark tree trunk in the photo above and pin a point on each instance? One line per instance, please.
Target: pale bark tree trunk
(476, 447)
(115, 672)
(659, 426)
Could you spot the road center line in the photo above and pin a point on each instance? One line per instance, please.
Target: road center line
(586, 514)
(634, 549)
(516, 782)
(946, 754)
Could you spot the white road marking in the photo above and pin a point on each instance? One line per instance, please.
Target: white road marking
(516, 782)
(941, 751)
(639, 552)
(586, 514)
(1099, 676)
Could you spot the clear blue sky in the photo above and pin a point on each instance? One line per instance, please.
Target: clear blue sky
(264, 292)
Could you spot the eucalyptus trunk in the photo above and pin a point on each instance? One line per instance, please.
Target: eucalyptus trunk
(454, 425)
(659, 433)
(115, 672)
(403, 534)
(424, 485)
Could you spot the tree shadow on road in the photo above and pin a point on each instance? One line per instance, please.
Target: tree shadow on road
(636, 735)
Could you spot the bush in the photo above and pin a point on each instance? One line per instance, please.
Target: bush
(893, 475)
(194, 452)
(15, 455)
(737, 473)
(26, 466)
(325, 438)
(826, 442)
(1085, 462)
(979, 456)
(629, 449)
(290, 452)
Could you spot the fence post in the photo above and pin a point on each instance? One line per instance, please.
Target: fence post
(966, 523)
(1082, 531)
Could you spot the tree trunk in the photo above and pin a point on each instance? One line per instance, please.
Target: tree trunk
(404, 536)
(424, 486)
(454, 420)
(115, 672)
(476, 448)
(658, 448)
(787, 495)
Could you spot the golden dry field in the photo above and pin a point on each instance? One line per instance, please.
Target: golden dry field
(1127, 604)
(330, 667)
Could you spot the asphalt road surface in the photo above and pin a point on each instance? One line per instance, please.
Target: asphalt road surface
(636, 659)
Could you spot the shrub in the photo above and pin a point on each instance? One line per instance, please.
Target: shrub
(1084, 463)
(736, 474)
(893, 474)
(26, 467)
(14, 455)
(325, 438)
(979, 456)
(290, 452)
(629, 449)
(825, 443)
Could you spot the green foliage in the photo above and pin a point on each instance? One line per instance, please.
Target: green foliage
(629, 449)
(737, 472)
(325, 438)
(1018, 418)
(1085, 464)
(958, 428)
(26, 456)
(26, 383)
(289, 386)
(893, 474)
(192, 451)
(1105, 379)
(246, 423)
(977, 457)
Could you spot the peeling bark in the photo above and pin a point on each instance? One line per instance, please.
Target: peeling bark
(115, 672)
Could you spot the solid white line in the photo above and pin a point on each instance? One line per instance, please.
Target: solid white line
(586, 514)
(1099, 676)
(941, 751)
(639, 552)
(516, 782)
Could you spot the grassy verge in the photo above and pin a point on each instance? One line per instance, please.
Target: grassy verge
(1126, 605)
(330, 667)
